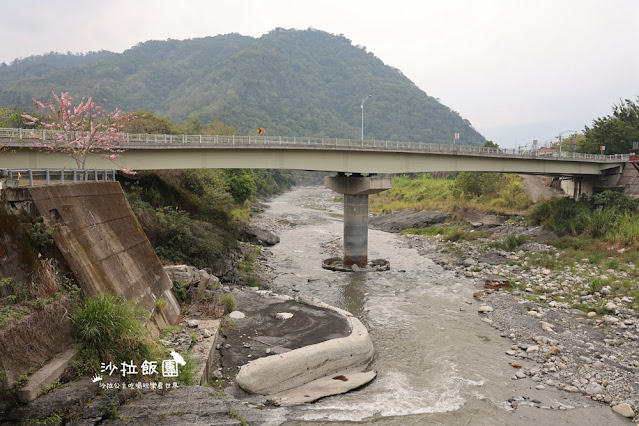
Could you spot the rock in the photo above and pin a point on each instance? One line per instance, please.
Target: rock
(183, 273)
(478, 294)
(555, 350)
(404, 219)
(470, 261)
(592, 314)
(237, 315)
(624, 409)
(573, 389)
(193, 323)
(547, 327)
(484, 309)
(594, 389)
(520, 375)
(255, 235)
(611, 306)
(515, 364)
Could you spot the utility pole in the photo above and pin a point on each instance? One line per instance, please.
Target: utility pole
(363, 100)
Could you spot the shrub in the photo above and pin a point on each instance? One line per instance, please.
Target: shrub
(41, 234)
(511, 242)
(111, 330)
(229, 302)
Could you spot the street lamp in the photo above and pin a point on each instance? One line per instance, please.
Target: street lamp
(363, 100)
(565, 131)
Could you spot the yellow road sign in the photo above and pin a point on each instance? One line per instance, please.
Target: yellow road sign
(260, 130)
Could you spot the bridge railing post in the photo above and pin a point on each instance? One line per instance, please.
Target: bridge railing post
(30, 177)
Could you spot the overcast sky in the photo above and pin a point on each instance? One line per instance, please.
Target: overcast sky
(517, 69)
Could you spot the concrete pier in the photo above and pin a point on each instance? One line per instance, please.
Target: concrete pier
(356, 189)
(355, 230)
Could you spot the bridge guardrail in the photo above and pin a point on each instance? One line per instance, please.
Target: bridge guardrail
(36, 177)
(22, 137)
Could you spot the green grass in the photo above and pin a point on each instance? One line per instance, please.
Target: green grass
(229, 302)
(423, 192)
(111, 331)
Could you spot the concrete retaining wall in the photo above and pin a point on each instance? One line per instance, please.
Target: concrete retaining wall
(105, 246)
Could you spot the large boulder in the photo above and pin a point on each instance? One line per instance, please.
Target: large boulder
(183, 274)
(405, 219)
(255, 235)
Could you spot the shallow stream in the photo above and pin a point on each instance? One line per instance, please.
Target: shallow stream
(437, 361)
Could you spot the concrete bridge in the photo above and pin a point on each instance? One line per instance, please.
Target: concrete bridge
(353, 160)
(158, 152)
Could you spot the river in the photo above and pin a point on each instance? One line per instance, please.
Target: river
(438, 362)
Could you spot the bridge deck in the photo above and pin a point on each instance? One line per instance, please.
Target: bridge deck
(145, 152)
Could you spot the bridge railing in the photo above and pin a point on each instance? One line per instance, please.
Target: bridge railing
(36, 177)
(22, 137)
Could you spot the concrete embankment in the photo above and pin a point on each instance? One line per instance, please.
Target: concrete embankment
(310, 372)
(105, 246)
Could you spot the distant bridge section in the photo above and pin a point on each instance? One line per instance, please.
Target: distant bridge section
(157, 152)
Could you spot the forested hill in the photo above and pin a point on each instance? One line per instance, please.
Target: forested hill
(290, 82)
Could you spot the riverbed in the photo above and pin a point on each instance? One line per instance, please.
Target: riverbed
(438, 360)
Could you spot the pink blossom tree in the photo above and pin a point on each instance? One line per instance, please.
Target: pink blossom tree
(81, 130)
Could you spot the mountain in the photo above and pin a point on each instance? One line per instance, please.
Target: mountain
(290, 82)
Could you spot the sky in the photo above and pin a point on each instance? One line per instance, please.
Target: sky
(518, 70)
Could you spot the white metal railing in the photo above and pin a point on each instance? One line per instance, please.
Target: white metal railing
(25, 137)
(35, 177)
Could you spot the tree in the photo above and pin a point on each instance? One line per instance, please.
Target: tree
(148, 123)
(490, 144)
(10, 117)
(616, 132)
(83, 129)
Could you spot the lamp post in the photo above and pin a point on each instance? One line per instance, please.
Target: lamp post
(363, 100)
(565, 131)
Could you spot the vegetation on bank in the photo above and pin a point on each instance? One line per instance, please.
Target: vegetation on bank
(486, 192)
(609, 217)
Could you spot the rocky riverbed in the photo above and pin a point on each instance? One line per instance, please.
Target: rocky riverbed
(593, 350)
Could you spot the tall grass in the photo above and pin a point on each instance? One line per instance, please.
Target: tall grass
(626, 231)
(423, 192)
(111, 330)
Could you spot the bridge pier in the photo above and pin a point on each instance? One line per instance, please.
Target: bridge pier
(356, 189)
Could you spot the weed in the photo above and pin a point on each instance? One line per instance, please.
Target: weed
(613, 264)
(229, 302)
(598, 283)
(161, 303)
(48, 388)
(169, 329)
(180, 289)
(41, 234)
(21, 381)
(511, 242)
(233, 414)
(186, 373)
(111, 330)
(54, 417)
(596, 258)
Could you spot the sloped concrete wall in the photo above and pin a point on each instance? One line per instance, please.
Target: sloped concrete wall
(630, 181)
(105, 246)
